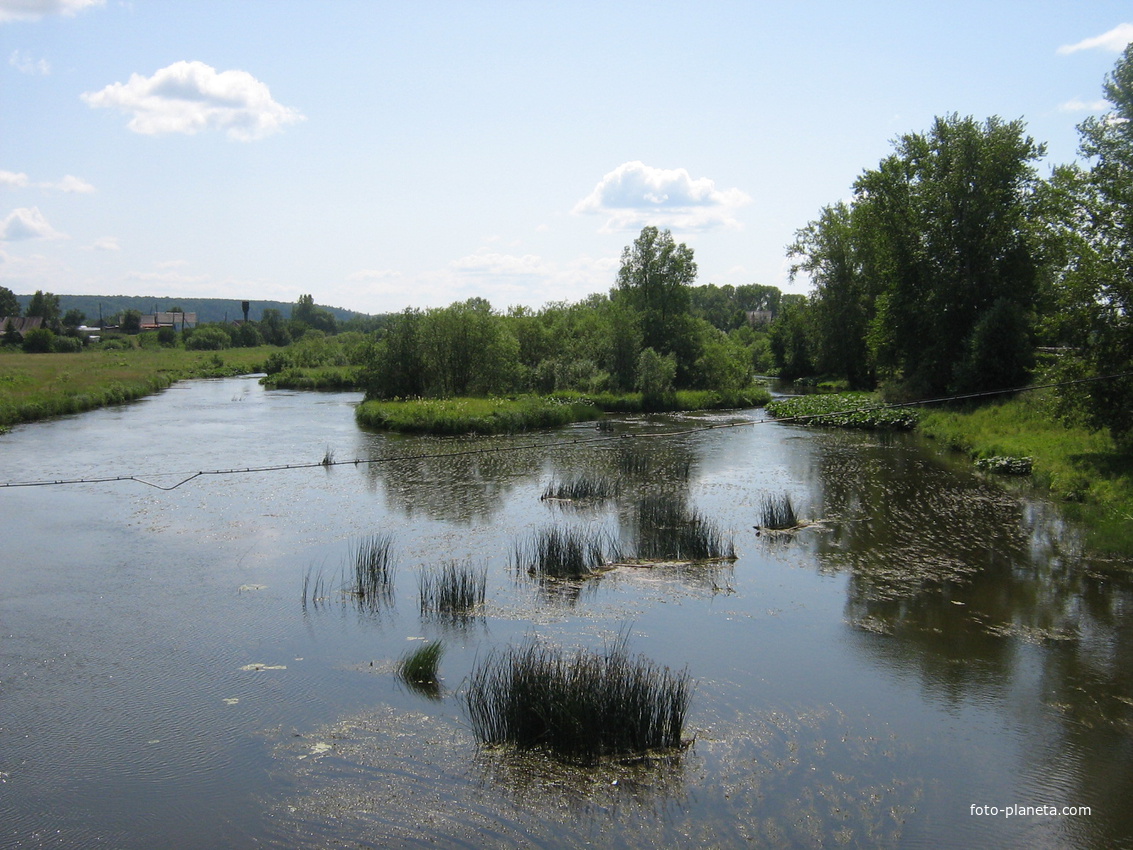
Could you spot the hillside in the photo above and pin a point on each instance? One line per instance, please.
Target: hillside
(207, 309)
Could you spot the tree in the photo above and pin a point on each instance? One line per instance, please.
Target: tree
(654, 281)
(1092, 230)
(829, 251)
(131, 321)
(9, 304)
(46, 306)
(308, 314)
(73, 318)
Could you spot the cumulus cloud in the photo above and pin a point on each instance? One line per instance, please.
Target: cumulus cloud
(106, 243)
(1113, 41)
(33, 10)
(27, 223)
(188, 97)
(635, 194)
(22, 62)
(69, 183)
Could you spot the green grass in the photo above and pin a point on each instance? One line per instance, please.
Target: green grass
(530, 412)
(583, 705)
(1082, 467)
(561, 552)
(844, 410)
(40, 386)
(314, 378)
(418, 669)
(454, 591)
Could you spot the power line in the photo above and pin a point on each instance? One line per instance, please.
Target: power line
(186, 477)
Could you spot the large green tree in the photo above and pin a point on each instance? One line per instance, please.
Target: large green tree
(654, 281)
(9, 305)
(1091, 226)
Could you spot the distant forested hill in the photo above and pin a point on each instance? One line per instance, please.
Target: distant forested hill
(207, 309)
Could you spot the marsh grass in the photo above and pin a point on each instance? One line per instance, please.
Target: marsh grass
(583, 488)
(314, 588)
(777, 513)
(39, 386)
(583, 706)
(371, 571)
(561, 552)
(668, 530)
(455, 591)
(418, 669)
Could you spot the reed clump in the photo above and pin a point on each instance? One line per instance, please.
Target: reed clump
(372, 567)
(777, 513)
(561, 552)
(583, 488)
(667, 529)
(418, 669)
(582, 705)
(456, 590)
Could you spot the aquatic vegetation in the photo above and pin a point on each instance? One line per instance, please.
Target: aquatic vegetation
(593, 488)
(314, 588)
(1005, 465)
(777, 513)
(561, 552)
(418, 669)
(583, 705)
(667, 530)
(456, 590)
(371, 577)
(844, 410)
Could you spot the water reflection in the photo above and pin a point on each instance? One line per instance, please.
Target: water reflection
(981, 594)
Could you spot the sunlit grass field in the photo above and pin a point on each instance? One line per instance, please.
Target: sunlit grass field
(39, 386)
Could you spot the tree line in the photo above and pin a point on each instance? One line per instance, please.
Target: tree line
(953, 263)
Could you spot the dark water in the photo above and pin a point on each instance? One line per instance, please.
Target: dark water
(934, 642)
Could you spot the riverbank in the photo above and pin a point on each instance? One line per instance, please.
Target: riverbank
(40, 386)
(530, 412)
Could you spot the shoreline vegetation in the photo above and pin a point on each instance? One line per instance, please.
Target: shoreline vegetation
(41, 386)
(508, 415)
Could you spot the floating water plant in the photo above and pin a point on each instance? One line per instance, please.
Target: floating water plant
(667, 530)
(777, 513)
(583, 705)
(418, 669)
(588, 488)
(561, 552)
(844, 410)
(371, 560)
(455, 590)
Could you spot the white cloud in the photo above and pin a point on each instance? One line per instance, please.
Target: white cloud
(485, 262)
(22, 62)
(188, 97)
(106, 243)
(1113, 41)
(33, 10)
(168, 277)
(1079, 105)
(13, 179)
(635, 194)
(69, 183)
(27, 223)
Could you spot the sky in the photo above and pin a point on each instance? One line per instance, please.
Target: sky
(383, 155)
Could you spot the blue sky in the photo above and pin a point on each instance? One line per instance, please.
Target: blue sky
(380, 155)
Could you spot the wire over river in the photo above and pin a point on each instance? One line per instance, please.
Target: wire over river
(186, 477)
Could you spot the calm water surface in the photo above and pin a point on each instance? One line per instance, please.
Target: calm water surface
(935, 641)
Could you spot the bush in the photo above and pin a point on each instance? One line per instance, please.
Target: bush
(208, 339)
(66, 345)
(38, 341)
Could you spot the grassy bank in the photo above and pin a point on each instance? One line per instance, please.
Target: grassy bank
(1083, 468)
(39, 386)
(317, 378)
(530, 412)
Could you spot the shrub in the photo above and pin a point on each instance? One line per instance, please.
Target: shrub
(38, 341)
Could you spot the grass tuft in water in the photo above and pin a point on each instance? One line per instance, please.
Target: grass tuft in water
(418, 669)
(668, 530)
(583, 705)
(591, 488)
(371, 578)
(456, 590)
(777, 513)
(561, 552)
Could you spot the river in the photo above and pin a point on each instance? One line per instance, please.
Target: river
(934, 649)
